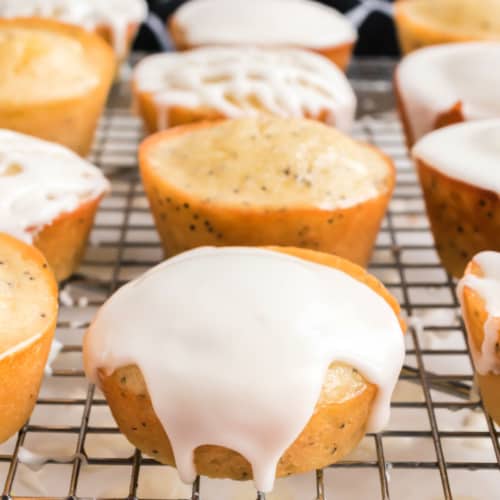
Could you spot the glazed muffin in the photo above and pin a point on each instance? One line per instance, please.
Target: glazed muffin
(435, 89)
(209, 83)
(479, 294)
(55, 80)
(266, 181)
(48, 197)
(431, 22)
(117, 21)
(325, 372)
(459, 170)
(302, 24)
(28, 313)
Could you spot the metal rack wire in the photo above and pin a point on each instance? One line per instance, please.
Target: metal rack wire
(436, 383)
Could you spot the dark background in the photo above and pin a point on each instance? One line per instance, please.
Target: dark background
(376, 35)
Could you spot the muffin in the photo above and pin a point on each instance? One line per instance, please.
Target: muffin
(28, 313)
(324, 375)
(459, 170)
(117, 21)
(213, 82)
(435, 88)
(266, 181)
(48, 197)
(479, 294)
(302, 24)
(431, 22)
(55, 80)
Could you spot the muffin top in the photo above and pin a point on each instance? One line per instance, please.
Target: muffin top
(271, 162)
(39, 64)
(28, 294)
(469, 152)
(243, 81)
(39, 181)
(263, 22)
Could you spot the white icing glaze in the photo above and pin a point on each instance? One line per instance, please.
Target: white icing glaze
(433, 79)
(287, 82)
(263, 22)
(20, 346)
(55, 348)
(488, 287)
(115, 14)
(469, 152)
(219, 333)
(40, 181)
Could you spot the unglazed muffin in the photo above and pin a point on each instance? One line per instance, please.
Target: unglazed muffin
(459, 169)
(432, 22)
(308, 344)
(117, 21)
(55, 80)
(214, 82)
(266, 181)
(435, 87)
(28, 314)
(479, 294)
(266, 23)
(48, 197)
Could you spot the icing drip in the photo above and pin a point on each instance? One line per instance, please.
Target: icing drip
(35, 461)
(243, 81)
(115, 14)
(223, 333)
(263, 22)
(40, 181)
(432, 80)
(469, 152)
(487, 360)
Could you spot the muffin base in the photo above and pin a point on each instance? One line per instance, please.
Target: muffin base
(21, 371)
(184, 222)
(464, 219)
(336, 427)
(63, 241)
(70, 123)
(475, 316)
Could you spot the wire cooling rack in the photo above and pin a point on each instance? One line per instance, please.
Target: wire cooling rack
(439, 443)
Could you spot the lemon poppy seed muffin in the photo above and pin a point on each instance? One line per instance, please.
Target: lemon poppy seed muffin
(116, 21)
(479, 295)
(459, 171)
(175, 88)
(304, 24)
(329, 341)
(48, 197)
(28, 313)
(55, 80)
(232, 82)
(430, 22)
(260, 181)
